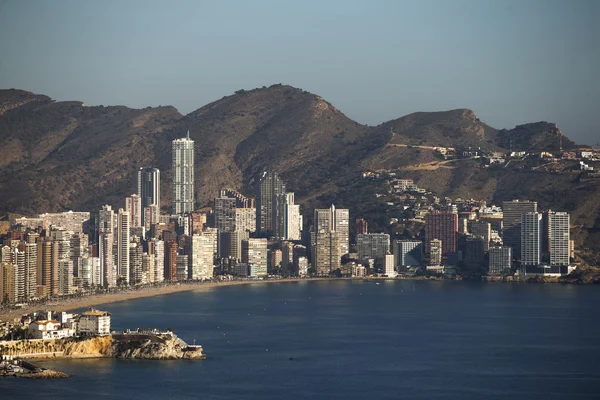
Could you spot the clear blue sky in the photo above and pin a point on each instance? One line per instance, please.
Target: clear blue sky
(510, 61)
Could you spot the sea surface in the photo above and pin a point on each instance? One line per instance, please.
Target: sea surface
(353, 340)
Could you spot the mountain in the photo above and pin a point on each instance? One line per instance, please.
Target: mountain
(63, 155)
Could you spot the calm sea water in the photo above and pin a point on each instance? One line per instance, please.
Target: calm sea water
(353, 340)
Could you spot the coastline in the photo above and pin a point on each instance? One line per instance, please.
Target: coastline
(99, 299)
(107, 298)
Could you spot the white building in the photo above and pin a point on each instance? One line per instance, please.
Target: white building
(408, 253)
(133, 205)
(94, 323)
(48, 330)
(245, 219)
(183, 175)
(254, 253)
(388, 266)
(123, 239)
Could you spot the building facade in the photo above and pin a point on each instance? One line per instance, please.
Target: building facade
(183, 175)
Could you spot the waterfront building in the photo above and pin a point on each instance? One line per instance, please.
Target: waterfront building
(182, 267)
(48, 329)
(287, 257)
(148, 185)
(513, 212)
(435, 252)
(230, 244)
(122, 245)
(474, 253)
(388, 266)
(65, 265)
(372, 245)
(275, 259)
(326, 251)
(500, 260)
(338, 220)
(442, 226)
(531, 239)
(559, 223)
(136, 275)
(408, 253)
(106, 241)
(200, 252)
(183, 175)
(171, 261)
(156, 248)
(94, 323)
(268, 189)
(254, 253)
(289, 220)
(483, 229)
(8, 280)
(302, 266)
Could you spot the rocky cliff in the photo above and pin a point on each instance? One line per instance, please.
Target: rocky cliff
(151, 347)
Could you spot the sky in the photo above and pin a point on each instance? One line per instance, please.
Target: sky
(511, 62)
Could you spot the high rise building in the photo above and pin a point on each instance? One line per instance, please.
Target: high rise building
(275, 259)
(254, 253)
(149, 191)
(408, 253)
(8, 278)
(225, 214)
(442, 226)
(171, 261)
(326, 251)
(106, 241)
(122, 245)
(31, 267)
(133, 205)
(183, 175)
(289, 220)
(268, 189)
(473, 257)
(435, 252)
(337, 220)
(513, 212)
(231, 244)
(200, 252)
(245, 219)
(182, 267)
(483, 229)
(287, 257)
(559, 223)
(156, 248)
(65, 264)
(372, 245)
(500, 260)
(531, 239)
(136, 273)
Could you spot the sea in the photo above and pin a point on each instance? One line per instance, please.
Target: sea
(352, 340)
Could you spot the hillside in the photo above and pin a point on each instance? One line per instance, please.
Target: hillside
(63, 155)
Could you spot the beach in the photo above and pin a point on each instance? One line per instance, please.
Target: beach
(106, 298)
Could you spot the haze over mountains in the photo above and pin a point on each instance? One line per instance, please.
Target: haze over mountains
(62, 155)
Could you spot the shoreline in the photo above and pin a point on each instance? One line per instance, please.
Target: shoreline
(125, 295)
(108, 298)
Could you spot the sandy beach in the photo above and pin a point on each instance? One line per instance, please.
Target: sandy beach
(99, 299)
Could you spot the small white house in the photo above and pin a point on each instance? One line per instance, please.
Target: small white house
(94, 323)
(49, 330)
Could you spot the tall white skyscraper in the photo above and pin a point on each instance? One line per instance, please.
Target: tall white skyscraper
(133, 205)
(183, 175)
(559, 238)
(123, 238)
(531, 238)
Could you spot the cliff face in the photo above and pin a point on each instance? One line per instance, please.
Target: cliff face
(150, 347)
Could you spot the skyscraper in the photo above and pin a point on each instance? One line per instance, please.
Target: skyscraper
(268, 189)
(133, 205)
(289, 220)
(443, 226)
(337, 220)
(149, 190)
(123, 238)
(183, 175)
(511, 222)
(225, 215)
(408, 253)
(531, 239)
(559, 238)
(500, 260)
(199, 249)
(483, 229)
(326, 257)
